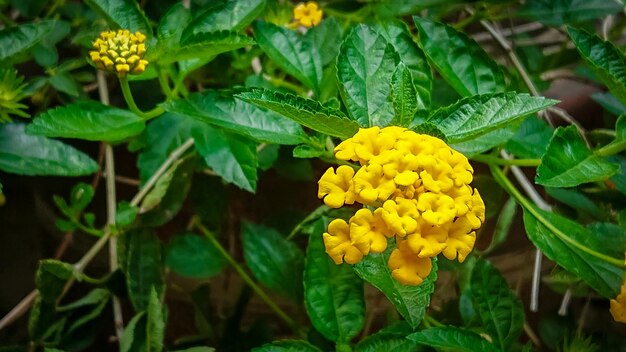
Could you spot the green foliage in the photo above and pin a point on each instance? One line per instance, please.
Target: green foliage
(559, 12)
(410, 301)
(453, 338)
(16, 41)
(193, 256)
(568, 162)
(287, 346)
(124, 14)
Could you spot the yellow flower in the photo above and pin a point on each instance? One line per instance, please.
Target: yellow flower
(460, 240)
(371, 185)
(308, 15)
(120, 52)
(339, 245)
(406, 267)
(618, 305)
(401, 215)
(369, 232)
(418, 189)
(336, 189)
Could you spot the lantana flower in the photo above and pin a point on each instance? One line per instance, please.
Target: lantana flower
(416, 192)
(308, 15)
(120, 52)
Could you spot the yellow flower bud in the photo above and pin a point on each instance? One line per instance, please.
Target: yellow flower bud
(119, 52)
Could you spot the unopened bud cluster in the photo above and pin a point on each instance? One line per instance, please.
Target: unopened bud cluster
(120, 52)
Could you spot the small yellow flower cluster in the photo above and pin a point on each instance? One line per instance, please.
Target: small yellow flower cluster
(307, 15)
(618, 305)
(120, 52)
(418, 188)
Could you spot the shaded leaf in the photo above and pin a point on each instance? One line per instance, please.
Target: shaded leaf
(124, 14)
(287, 346)
(459, 59)
(365, 65)
(531, 139)
(306, 112)
(155, 323)
(275, 261)
(87, 120)
(231, 15)
(191, 255)
(24, 154)
(568, 162)
(201, 46)
(333, 294)
(17, 40)
(559, 12)
(453, 338)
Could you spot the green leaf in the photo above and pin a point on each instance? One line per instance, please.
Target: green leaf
(64, 82)
(506, 215)
(153, 198)
(24, 154)
(87, 120)
(155, 323)
(475, 116)
(324, 40)
(134, 336)
(487, 141)
(142, 263)
(398, 35)
(94, 297)
(568, 162)
(395, 8)
(452, 338)
(200, 46)
(197, 349)
(125, 214)
(221, 109)
(231, 157)
(333, 294)
(17, 40)
(459, 59)
(559, 12)
(609, 102)
(287, 346)
(123, 14)
(306, 112)
(611, 237)
(605, 59)
(404, 96)
(291, 52)
(51, 278)
(410, 301)
(577, 200)
(385, 341)
(194, 256)
(499, 309)
(531, 139)
(231, 15)
(568, 243)
(365, 65)
(275, 261)
(620, 132)
(160, 138)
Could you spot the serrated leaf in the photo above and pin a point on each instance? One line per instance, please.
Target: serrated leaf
(487, 141)
(307, 112)
(333, 294)
(404, 96)
(291, 52)
(531, 139)
(231, 15)
(396, 8)
(275, 261)
(454, 339)
(365, 65)
(24, 154)
(194, 256)
(153, 198)
(87, 120)
(475, 116)
(410, 301)
(142, 263)
(606, 60)
(51, 277)
(123, 14)
(499, 309)
(201, 46)
(563, 240)
(232, 157)
(568, 162)
(459, 59)
(17, 40)
(155, 323)
(221, 109)
(559, 12)
(94, 296)
(134, 336)
(398, 35)
(386, 341)
(287, 346)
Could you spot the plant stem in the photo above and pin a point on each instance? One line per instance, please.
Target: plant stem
(611, 148)
(246, 277)
(499, 176)
(130, 101)
(162, 169)
(164, 83)
(488, 159)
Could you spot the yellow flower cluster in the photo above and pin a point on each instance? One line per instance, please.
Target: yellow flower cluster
(308, 15)
(415, 188)
(120, 52)
(618, 305)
